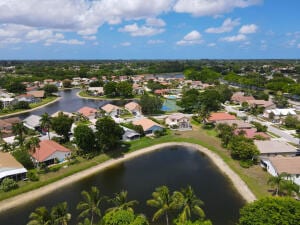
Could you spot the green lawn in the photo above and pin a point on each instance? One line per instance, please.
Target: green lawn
(86, 95)
(254, 177)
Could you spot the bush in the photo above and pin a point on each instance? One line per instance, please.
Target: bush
(33, 176)
(159, 133)
(23, 157)
(21, 105)
(246, 164)
(8, 184)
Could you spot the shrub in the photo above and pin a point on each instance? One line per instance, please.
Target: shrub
(8, 184)
(159, 133)
(32, 176)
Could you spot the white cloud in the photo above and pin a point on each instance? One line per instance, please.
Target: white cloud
(248, 29)
(298, 46)
(154, 22)
(90, 38)
(235, 38)
(227, 26)
(125, 44)
(192, 38)
(136, 30)
(211, 7)
(155, 42)
(211, 44)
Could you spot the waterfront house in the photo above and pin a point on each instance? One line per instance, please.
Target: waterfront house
(279, 164)
(56, 114)
(178, 121)
(37, 94)
(6, 126)
(96, 91)
(275, 147)
(10, 167)
(129, 134)
(239, 97)
(49, 152)
(134, 108)
(8, 101)
(148, 125)
(32, 122)
(88, 112)
(112, 110)
(26, 98)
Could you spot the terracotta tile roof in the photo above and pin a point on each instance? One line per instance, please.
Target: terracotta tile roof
(37, 94)
(146, 123)
(290, 165)
(132, 106)
(47, 148)
(220, 116)
(13, 120)
(251, 133)
(87, 111)
(240, 97)
(109, 108)
(262, 103)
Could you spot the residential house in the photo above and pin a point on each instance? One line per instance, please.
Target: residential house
(32, 122)
(7, 101)
(10, 167)
(240, 124)
(137, 89)
(148, 125)
(37, 94)
(26, 98)
(96, 91)
(88, 112)
(129, 134)
(220, 116)
(239, 97)
(261, 103)
(275, 147)
(112, 110)
(178, 121)
(252, 133)
(6, 126)
(134, 108)
(278, 114)
(279, 164)
(56, 114)
(49, 151)
(161, 91)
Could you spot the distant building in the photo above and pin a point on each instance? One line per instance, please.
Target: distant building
(262, 103)
(32, 122)
(275, 147)
(148, 125)
(220, 116)
(112, 110)
(239, 97)
(178, 121)
(134, 108)
(6, 126)
(88, 112)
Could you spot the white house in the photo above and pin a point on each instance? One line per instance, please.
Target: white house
(112, 110)
(279, 164)
(8, 101)
(49, 151)
(279, 113)
(96, 91)
(10, 167)
(178, 121)
(32, 122)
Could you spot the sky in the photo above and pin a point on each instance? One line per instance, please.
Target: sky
(149, 29)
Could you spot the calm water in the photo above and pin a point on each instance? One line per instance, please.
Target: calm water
(175, 167)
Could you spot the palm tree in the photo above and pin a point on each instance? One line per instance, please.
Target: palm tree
(40, 216)
(163, 201)
(121, 202)
(46, 123)
(188, 203)
(90, 206)
(60, 214)
(32, 144)
(276, 181)
(6, 147)
(289, 188)
(19, 130)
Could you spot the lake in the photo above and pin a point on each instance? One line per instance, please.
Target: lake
(175, 167)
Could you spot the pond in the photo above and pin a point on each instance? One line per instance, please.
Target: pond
(174, 166)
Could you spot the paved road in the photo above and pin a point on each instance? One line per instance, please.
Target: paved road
(283, 134)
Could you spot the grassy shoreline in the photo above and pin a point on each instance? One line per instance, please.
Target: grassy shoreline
(83, 94)
(33, 106)
(258, 189)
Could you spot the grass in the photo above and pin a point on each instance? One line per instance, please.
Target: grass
(32, 106)
(254, 176)
(86, 95)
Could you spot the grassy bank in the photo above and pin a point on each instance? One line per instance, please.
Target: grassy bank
(254, 177)
(32, 106)
(84, 94)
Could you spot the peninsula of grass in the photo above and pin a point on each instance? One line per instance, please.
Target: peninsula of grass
(254, 177)
(33, 106)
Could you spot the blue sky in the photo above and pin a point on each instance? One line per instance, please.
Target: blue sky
(149, 29)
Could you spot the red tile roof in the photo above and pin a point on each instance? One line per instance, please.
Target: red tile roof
(220, 116)
(251, 133)
(87, 111)
(47, 148)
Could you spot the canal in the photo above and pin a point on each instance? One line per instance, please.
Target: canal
(174, 166)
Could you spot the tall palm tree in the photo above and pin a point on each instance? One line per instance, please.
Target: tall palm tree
(188, 203)
(60, 214)
(19, 130)
(6, 147)
(46, 122)
(40, 216)
(276, 181)
(31, 145)
(289, 188)
(163, 201)
(90, 206)
(121, 202)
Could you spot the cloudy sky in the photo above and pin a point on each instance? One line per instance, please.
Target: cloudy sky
(149, 29)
